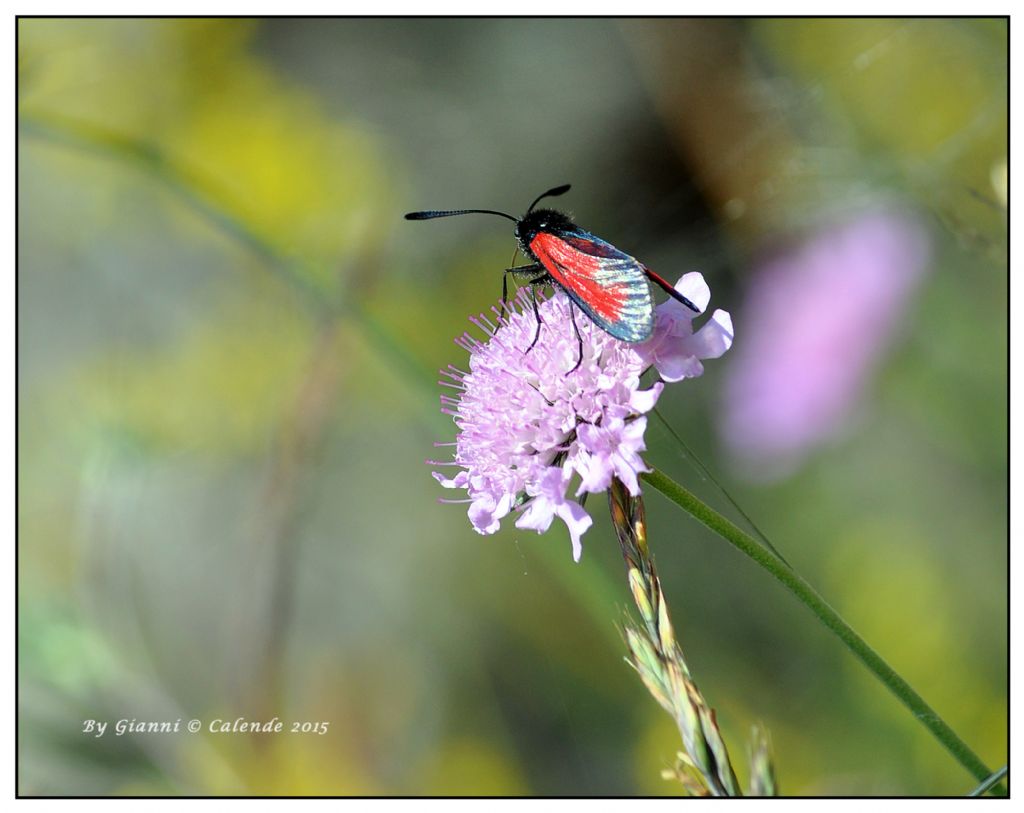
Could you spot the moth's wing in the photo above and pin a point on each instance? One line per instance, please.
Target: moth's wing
(607, 284)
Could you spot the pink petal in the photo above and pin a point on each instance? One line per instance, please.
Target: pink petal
(577, 521)
(458, 481)
(633, 434)
(537, 516)
(482, 514)
(595, 473)
(677, 366)
(712, 340)
(694, 288)
(628, 477)
(642, 401)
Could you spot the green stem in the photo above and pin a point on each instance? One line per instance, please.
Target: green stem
(828, 616)
(989, 783)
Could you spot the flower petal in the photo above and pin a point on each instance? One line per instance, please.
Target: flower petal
(537, 516)
(595, 473)
(642, 401)
(633, 435)
(458, 481)
(552, 484)
(625, 471)
(694, 288)
(482, 514)
(577, 521)
(677, 366)
(592, 438)
(712, 340)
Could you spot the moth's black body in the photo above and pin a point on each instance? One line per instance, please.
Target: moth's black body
(533, 223)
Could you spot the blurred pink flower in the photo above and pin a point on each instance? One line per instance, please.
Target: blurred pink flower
(816, 321)
(526, 427)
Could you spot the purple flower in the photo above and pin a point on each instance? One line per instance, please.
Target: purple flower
(526, 427)
(817, 320)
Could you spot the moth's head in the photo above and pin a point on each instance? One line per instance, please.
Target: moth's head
(541, 220)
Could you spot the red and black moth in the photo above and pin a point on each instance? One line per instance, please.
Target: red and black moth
(608, 285)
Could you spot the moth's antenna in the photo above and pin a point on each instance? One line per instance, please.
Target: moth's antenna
(432, 214)
(551, 193)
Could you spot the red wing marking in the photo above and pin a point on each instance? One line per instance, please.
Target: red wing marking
(584, 274)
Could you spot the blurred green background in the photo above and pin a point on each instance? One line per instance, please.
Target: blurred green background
(227, 345)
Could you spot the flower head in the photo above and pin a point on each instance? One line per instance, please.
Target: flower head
(819, 319)
(527, 426)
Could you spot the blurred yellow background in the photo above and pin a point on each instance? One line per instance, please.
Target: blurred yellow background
(227, 345)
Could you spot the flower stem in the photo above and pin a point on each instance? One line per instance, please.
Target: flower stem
(990, 782)
(827, 615)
